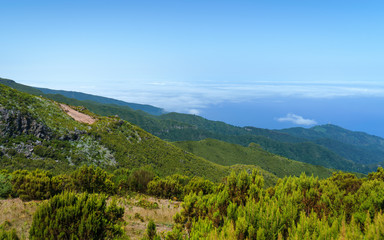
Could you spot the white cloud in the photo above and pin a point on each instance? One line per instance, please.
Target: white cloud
(296, 119)
(194, 111)
(184, 96)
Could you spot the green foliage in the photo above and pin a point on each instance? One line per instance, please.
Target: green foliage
(147, 204)
(5, 184)
(230, 154)
(170, 187)
(34, 185)
(197, 184)
(356, 146)
(92, 180)
(151, 231)
(7, 234)
(139, 179)
(340, 207)
(379, 174)
(71, 216)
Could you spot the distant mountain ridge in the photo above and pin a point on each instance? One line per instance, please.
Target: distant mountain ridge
(83, 96)
(360, 147)
(319, 146)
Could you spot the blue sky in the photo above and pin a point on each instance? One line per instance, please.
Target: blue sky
(205, 56)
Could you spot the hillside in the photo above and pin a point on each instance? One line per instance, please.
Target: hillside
(359, 147)
(37, 133)
(81, 96)
(311, 147)
(227, 154)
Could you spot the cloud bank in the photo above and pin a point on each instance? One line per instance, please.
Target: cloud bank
(194, 97)
(296, 119)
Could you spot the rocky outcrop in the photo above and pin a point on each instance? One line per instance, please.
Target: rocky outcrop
(14, 123)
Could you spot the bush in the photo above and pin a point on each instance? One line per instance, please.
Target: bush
(147, 204)
(72, 216)
(170, 187)
(5, 185)
(35, 185)
(197, 184)
(151, 231)
(379, 174)
(7, 234)
(139, 179)
(92, 180)
(165, 188)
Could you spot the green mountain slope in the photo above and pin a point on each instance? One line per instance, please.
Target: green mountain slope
(306, 152)
(293, 145)
(229, 154)
(37, 133)
(357, 146)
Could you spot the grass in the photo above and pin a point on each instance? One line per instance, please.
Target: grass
(18, 215)
(137, 217)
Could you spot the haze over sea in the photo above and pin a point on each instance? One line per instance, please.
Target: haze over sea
(271, 64)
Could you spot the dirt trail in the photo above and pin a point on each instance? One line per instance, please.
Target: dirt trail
(78, 116)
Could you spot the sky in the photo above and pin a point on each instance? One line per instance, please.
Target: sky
(271, 64)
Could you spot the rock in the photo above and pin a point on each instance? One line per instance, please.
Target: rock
(14, 123)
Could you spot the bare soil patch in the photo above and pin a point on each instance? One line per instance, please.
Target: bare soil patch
(78, 116)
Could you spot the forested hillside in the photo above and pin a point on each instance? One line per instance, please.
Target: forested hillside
(36, 132)
(342, 149)
(358, 146)
(228, 154)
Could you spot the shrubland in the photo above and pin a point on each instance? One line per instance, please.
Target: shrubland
(239, 206)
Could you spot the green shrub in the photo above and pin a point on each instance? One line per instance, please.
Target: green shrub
(165, 188)
(147, 204)
(34, 185)
(92, 180)
(5, 185)
(151, 231)
(43, 151)
(197, 184)
(77, 216)
(139, 179)
(169, 187)
(7, 234)
(379, 174)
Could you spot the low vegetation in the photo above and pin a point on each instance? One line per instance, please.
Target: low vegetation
(342, 206)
